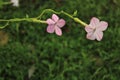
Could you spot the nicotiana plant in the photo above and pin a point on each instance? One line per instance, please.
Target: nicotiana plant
(94, 29)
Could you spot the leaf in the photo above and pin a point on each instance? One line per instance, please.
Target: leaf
(1, 3)
(31, 71)
(116, 2)
(27, 16)
(3, 38)
(75, 13)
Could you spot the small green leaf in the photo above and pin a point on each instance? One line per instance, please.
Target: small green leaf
(75, 13)
(27, 16)
(31, 71)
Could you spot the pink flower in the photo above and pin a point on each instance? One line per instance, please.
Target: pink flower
(95, 29)
(55, 24)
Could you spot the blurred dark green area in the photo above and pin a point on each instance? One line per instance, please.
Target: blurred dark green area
(69, 57)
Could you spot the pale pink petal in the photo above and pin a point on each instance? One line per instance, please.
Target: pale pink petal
(50, 21)
(61, 23)
(88, 29)
(50, 28)
(90, 36)
(102, 26)
(58, 31)
(94, 22)
(55, 17)
(99, 35)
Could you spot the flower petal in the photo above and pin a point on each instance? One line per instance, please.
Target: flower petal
(94, 22)
(88, 29)
(61, 23)
(50, 21)
(58, 31)
(55, 17)
(50, 29)
(102, 26)
(99, 35)
(90, 36)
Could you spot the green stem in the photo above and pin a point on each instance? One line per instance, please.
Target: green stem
(69, 15)
(47, 10)
(23, 19)
(65, 13)
(74, 18)
(80, 21)
(37, 20)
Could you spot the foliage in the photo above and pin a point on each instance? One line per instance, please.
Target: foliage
(69, 57)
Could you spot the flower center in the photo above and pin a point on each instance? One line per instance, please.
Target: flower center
(94, 29)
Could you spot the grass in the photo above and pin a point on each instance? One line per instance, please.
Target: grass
(69, 57)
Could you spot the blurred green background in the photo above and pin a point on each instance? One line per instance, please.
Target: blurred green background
(27, 47)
